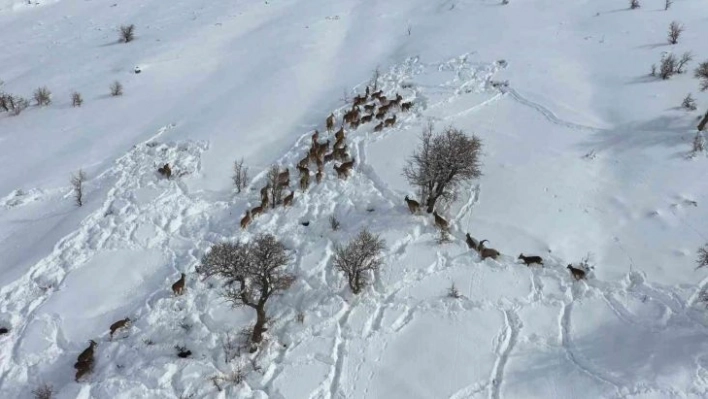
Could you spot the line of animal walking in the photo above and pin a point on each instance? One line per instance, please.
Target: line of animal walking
(484, 252)
(319, 154)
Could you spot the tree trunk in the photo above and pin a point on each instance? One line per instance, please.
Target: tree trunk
(260, 326)
(703, 123)
(354, 283)
(431, 203)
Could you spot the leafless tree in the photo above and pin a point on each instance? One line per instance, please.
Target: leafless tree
(42, 96)
(453, 292)
(375, 75)
(675, 30)
(359, 258)
(702, 73)
(13, 104)
(689, 103)
(668, 66)
(253, 272)
(442, 162)
(116, 89)
(76, 99)
(44, 391)
(77, 184)
(702, 256)
(240, 176)
(685, 59)
(334, 223)
(634, 4)
(127, 33)
(702, 124)
(698, 147)
(274, 187)
(667, 4)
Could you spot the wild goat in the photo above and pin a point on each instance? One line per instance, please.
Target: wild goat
(303, 163)
(406, 106)
(118, 325)
(471, 242)
(284, 176)
(413, 205)
(487, 252)
(318, 176)
(304, 181)
(330, 122)
(382, 99)
(340, 154)
(380, 115)
(397, 101)
(84, 363)
(379, 127)
(339, 136)
(370, 107)
(440, 222)
(578, 274)
(165, 170)
(315, 136)
(529, 260)
(343, 169)
(264, 196)
(328, 157)
(178, 287)
(354, 124)
(390, 121)
(257, 210)
(246, 220)
(359, 100)
(304, 170)
(339, 144)
(288, 201)
(377, 94)
(367, 118)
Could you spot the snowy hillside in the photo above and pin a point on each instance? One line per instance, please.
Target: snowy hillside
(583, 153)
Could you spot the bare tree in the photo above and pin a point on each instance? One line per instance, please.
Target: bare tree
(702, 73)
(360, 257)
(275, 188)
(668, 66)
(675, 30)
(253, 272)
(77, 184)
(44, 391)
(76, 99)
(240, 176)
(685, 59)
(442, 162)
(375, 75)
(667, 4)
(689, 103)
(42, 96)
(13, 104)
(127, 33)
(334, 223)
(116, 89)
(702, 256)
(634, 4)
(703, 122)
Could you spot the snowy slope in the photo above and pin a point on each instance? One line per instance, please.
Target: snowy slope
(583, 153)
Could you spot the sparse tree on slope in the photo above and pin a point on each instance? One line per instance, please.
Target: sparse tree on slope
(360, 257)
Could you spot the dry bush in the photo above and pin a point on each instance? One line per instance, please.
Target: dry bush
(334, 223)
(634, 4)
(668, 66)
(701, 73)
(76, 99)
(358, 258)
(453, 292)
(675, 30)
(116, 89)
(127, 33)
(240, 176)
(698, 147)
(702, 256)
(44, 391)
(77, 184)
(689, 103)
(667, 4)
(685, 59)
(13, 104)
(42, 96)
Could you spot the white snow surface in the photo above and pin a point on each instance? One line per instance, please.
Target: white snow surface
(583, 153)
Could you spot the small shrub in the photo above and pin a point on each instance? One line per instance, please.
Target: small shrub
(334, 223)
(240, 176)
(702, 256)
(453, 292)
(698, 147)
(689, 103)
(702, 73)
(116, 89)
(634, 4)
(42, 96)
(76, 99)
(14, 104)
(675, 30)
(685, 59)
(505, 2)
(127, 33)
(77, 184)
(667, 4)
(44, 391)
(668, 66)
(300, 318)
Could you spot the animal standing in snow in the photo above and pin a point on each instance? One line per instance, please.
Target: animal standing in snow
(413, 205)
(529, 260)
(246, 220)
(578, 274)
(440, 222)
(343, 169)
(165, 170)
(288, 201)
(118, 325)
(471, 242)
(84, 363)
(487, 252)
(178, 287)
(330, 122)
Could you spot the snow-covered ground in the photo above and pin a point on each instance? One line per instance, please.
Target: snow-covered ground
(583, 153)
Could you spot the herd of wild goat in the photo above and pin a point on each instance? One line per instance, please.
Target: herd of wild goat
(377, 106)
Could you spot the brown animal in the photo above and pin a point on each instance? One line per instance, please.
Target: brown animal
(367, 90)
(367, 118)
(330, 122)
(82, 369)
(303, 163)
(578, 274)
(406, 106)
(390, 121)
(287, 201)
(487, 252)
(440, 222)
(303, 169)
(315, 136)
(178, 287)
(413, 205)
(358, 100)
(339, 144)
(264, 196)
(304, 181)
(379, 127)
(284, 176)
(380, 115)
(529, 260)
(382, 99)
(328, 157)
(377, 94)
(339, 136)
(318, 176)
(165, 170)
(340, 153)
(370, 107)
(343, 169)
(86, 355)
(257, 210)
(246, 220)
(471, 242)
(354, 124)
(118, 325)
